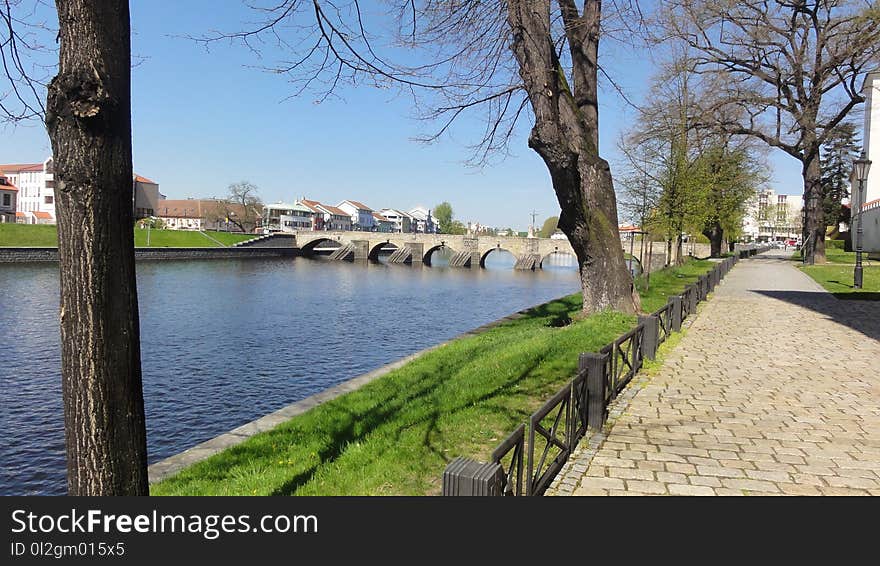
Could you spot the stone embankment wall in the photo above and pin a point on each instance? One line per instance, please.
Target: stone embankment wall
(30, 255)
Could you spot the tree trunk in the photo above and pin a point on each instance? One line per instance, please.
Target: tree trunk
(716, 236)
(566, 136)
(89, 123)
(814, 225)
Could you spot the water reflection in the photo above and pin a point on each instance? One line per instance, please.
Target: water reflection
(224, 342)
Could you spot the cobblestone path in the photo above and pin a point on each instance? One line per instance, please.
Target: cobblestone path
(774, 389)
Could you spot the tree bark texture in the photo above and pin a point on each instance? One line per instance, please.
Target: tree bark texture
(89, 123)
(566, 136)
(814, 224)
(716, 237)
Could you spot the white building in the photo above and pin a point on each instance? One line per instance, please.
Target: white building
(401, 221)
(772, 218)
(424, 222)
(361, 215)
(871, 143)
(36, 190)
(8, 197)
(290, 217)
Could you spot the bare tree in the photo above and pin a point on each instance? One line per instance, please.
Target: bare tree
(786, 72)
(497, 57)
(241, 207)
(88, 117)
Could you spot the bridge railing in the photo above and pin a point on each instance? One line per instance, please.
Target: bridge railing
(541, 446)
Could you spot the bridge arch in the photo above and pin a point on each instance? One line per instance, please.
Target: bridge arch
(563, 253)
(426, 258)
(485, 253)
(375, 248)
(308, 248)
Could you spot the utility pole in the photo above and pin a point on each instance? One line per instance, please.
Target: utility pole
(533, 215)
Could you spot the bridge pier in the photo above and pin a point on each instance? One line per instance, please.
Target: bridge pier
(361, 249)
(528, 262)
(409, 252)
(418, 251)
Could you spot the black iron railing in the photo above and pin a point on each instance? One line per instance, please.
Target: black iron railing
(553, 431)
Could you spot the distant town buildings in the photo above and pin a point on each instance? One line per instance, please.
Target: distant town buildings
(771, 217)
(35, 200)
(8, 199)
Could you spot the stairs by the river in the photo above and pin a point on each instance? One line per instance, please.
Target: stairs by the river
(269, 241)
(345, 251)
(528, 261)
(401, 255)
(460, 259)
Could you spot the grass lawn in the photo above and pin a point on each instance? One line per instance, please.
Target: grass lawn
(662, 284)
(45, 235)
(187, 239)
(837, 256)
(397, 434)
(25, 235)
(838, 280)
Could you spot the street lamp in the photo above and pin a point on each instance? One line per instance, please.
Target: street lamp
(861, 166)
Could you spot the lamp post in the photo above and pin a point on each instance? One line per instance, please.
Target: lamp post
(861, 166)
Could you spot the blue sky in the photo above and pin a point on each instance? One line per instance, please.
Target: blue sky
(203, 120)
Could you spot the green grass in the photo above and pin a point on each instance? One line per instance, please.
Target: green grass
(45, 235)
(834, 255)
(397, 434)
(186, 239)
(31, 236)
(662, 284)
(838, 280)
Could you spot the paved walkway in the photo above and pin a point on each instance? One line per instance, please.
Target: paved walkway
(774, 389)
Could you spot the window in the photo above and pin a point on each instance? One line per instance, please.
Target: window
(48, 199)
(7, 199)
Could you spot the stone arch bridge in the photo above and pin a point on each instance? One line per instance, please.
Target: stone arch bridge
(467, 251)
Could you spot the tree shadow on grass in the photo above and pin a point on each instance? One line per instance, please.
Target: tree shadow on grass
(859, 313)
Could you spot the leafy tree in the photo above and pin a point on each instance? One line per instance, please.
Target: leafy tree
(456, 228)
(729, 180)
(443, 214)
(549, 227)
(786, 73)
(838, 153)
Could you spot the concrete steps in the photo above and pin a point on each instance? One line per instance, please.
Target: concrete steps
(269, 241)
(528, 262)
(401, 255)
(460, 259)
(346, 251)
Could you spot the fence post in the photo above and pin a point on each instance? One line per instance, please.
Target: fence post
(675, 313)
(596, 380)
(650, 336)
(693, 298)
(464, 476)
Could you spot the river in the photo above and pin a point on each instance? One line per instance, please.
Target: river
(225, 342)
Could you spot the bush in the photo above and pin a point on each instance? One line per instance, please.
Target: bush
(834, 244)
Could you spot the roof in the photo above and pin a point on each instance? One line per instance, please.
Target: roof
(378, 216)
(310, 204)
(286, 206)
(181, 208)
(22, 214)
(7, 186)
(19, 167)
(628, 228)
(396, 212)
(43, 215)
(357, 204)
(333, 210)
(140, 179)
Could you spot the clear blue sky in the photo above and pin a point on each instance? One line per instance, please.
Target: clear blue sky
(203, 120)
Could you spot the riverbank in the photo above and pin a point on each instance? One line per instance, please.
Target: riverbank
(46, 236)
(396, 434)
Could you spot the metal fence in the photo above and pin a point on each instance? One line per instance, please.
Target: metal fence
(541, 447)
